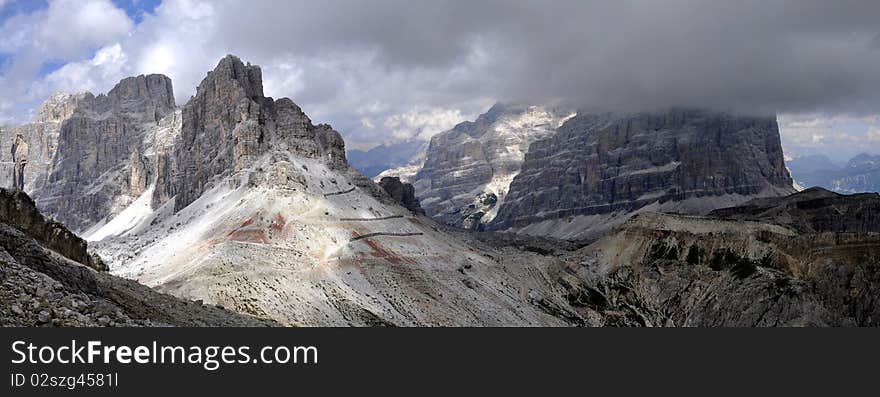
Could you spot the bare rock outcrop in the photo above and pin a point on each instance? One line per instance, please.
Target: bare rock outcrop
(47, 278)
(814, 210)
(403, 193)
(140, 173)
(58, 107)
(19, 211)
(468, 169)
(228, 124)
(99, 165)
(27, 165)
(600, 169)
(782, 261)
(19, 161)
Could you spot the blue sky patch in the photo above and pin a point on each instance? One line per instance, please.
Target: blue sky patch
(21, 7)
(137, 8)
(50, 66)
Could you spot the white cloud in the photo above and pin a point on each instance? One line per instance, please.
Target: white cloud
(873, 135)
(98, 74)
(422, 123)
(73, 27)
(67, 29)
(81, 33)
(375, 79)
(838, 136)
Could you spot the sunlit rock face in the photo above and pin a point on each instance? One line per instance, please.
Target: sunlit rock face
(256, 209)
(75, 158)
(596, 170)
(27, 151)
(91, 172)
(806, 259)
(229, 124)
(468, 169)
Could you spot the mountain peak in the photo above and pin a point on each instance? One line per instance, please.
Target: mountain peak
(154, 87)
(229, 125)
(231, 70)
(58, 107)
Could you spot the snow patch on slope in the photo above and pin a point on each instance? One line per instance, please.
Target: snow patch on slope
(138, 213)
(505, 144)
(407, 173)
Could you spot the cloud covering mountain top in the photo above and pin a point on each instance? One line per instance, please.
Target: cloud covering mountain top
(369, 67)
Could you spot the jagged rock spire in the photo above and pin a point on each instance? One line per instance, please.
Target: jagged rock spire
(229, 124)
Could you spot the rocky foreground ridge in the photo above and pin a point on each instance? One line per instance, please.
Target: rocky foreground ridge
(808, 259)
(48, 278)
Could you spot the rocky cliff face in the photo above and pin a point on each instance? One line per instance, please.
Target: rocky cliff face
(85, 157)
(773, 262)
(19, 211)
(19, 161)
(27, 151)
(256, 209)
(229, 124)
(468, 170)
(92, 174)
(403, 193)
(598, 169)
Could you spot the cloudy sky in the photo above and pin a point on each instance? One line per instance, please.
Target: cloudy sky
(390, 70)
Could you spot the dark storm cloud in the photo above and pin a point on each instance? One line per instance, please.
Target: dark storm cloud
(386, 70)
(798, 55)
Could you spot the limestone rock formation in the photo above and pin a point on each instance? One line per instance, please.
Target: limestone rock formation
(229, 124)
(19, 161)
(77, 159)
(39, 140)
(58, 107)
(140, 173)
(599, 169)
(256, 209)
(468, 169)
(809, 259)
(403, 193)
(93, 175)
(19, 211)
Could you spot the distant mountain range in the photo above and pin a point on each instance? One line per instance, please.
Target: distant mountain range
(237, 203)
(380, 158)
(558, 173)
(860, 174)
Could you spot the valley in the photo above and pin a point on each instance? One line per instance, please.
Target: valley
(235, 208)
